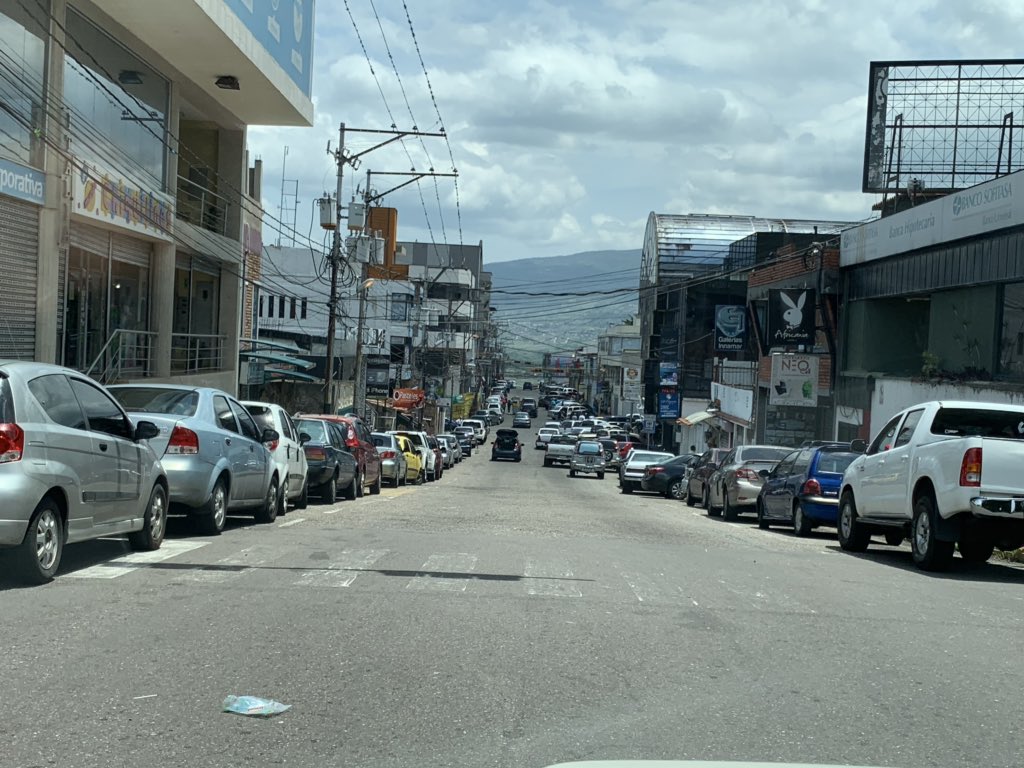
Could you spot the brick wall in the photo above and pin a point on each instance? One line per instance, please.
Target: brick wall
(789, 268)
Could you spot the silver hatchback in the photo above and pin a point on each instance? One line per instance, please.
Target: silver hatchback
(73, 467)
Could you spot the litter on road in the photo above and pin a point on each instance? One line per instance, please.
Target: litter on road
(254, 706)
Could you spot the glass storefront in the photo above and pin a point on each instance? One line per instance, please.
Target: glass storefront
(126, 130)
(22, 56)
(105, 295)
(196, 344)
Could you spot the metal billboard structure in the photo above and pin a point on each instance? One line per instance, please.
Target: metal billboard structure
(942, 126)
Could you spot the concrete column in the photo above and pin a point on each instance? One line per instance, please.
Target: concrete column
(162, 307)
(230, 309)
(55, 215)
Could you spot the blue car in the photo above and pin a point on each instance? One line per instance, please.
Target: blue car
(802, 490)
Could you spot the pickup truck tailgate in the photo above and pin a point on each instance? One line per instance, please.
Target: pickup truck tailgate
(1002, 466)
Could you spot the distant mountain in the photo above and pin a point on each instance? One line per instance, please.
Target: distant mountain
(556, 323)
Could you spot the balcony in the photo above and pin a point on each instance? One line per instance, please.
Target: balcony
(197, 352)
(202, 208)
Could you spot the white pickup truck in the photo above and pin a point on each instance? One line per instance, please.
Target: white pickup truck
(945, 474)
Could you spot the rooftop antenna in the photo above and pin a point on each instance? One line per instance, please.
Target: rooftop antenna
(289, 205)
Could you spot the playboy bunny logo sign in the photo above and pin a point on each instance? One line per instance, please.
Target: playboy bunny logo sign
(791, 317)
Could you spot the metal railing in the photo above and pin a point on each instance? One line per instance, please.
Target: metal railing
(199, 206)
(196, 352)
(126, 355)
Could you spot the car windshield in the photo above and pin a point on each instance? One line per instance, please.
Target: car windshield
(315, 429)
(835, 461)
(589, 448)
(171, 402)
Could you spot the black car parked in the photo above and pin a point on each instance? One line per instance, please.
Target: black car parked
(506, 445)
(331, 468)
(669, 477)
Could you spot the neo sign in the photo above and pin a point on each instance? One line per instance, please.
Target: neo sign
(794, 380)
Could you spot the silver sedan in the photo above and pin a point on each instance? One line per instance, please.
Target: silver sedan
(215, 455)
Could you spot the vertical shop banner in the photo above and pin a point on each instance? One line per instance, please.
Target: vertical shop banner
(668, 374)
(794, 381)
(730, 328)
(668, 403)
(791, 317)
(378, 375)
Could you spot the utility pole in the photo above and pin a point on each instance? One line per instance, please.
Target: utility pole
(359, 395)
(331, 395)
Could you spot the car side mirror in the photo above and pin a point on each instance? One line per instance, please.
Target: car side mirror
(304, 438)
(146, 430)
(270, 435)
(858, 446)
(764, 473)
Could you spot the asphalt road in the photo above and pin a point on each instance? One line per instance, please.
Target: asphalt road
(509, 616)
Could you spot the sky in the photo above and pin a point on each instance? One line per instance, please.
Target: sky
(569, 122)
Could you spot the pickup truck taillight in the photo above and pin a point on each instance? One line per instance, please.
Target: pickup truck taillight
(970, 468)
(183, 442)
(811, 488)
(12, 443)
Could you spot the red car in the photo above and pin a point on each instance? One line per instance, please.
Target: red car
(436, 448)
(359, 443)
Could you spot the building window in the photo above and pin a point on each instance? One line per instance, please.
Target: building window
(280, 306)
(303, 312)
(1011, 345)
(261, 306)
(400, 307)
(291, 308)
(132, 125)
(270, 306)
(22, 35)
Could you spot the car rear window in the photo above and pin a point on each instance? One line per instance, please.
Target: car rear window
(315, 430)
(382, 441)
(978, 422)
(764, 454)
(173, 402)
(591, 448)
(262, 415)
(6, 402)
(645, 456)
(835, 461)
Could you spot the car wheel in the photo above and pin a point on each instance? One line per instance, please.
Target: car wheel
(802, 525)
(282, 499)
(351, 492)
(894, 538)
(421, 478)
(572, 473)
(852, 535)
(690, 498)
(268, 512)
(329, 490)
(600, 475)
(212, 518)
(728, 510)
(547, 463)
(38, 557)
(705, 501)
(930, 554)
(762, 521)
(974, 549)
(361, 486)
(154, 524)
(375, 488)
(627, 487)
(675, 490)
(303, 501)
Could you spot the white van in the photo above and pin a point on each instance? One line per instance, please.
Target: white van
(480, 429)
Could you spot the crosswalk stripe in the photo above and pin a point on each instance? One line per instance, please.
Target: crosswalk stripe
(550, 579)
(439, 573)
(231, 566)
(120, 566)
(342, 570)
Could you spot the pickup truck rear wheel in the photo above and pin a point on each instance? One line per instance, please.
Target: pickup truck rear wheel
(930, 554)
(975, 550)
(852, 535)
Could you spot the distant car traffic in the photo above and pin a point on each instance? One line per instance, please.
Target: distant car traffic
(587, 457)
(521, 421)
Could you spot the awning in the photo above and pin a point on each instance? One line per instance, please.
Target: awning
(276, 358)
(694, 419)
(281, 373)
(733, 419)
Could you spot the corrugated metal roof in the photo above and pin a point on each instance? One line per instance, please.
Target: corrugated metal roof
(676, 245)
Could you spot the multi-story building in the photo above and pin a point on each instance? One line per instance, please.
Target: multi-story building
(129, 214)
(618, 350)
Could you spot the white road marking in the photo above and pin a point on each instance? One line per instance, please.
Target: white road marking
(290, 523)
(331, 511)
(342, 570)
(550, 579)
(458, 562)
(119, 566)
(643, 587)
(232, 565)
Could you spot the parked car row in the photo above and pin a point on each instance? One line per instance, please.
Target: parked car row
(80, 461)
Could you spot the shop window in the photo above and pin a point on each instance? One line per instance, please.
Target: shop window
(132, 123)
(400, 307)
(196, 343)
(1011, 344)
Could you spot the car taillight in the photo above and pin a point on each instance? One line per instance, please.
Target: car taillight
(387, 454)
(653, 470)
(316, 454)
(811, 487)
(970, 468)
(12, 443)
(744, 473)
(183, 442)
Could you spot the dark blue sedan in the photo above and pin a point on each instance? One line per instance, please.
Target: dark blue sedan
(802, 490)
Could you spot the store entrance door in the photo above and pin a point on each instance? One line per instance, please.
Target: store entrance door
(86, 308)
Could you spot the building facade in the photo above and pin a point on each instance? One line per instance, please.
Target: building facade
(125, 190)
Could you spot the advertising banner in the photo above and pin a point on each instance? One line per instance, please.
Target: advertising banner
(794, 380)
(791, 317)
(378, 375)
(284, 28)
(107, 197)
(22, 182)
(668, 374)
(730, 327)
(408, 399)
(668, 403)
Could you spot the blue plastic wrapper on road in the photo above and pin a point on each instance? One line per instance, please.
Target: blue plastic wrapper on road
(254, 706)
